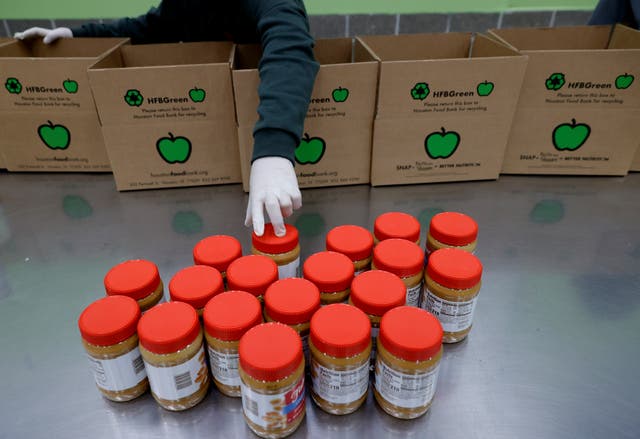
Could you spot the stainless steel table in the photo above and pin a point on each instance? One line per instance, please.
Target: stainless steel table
(554, 352)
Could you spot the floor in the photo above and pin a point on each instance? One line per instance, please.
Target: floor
(553, 353)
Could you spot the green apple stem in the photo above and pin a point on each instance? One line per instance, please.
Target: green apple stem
(573, 122)
(50, 123)
(171, 136)
(443, 130)
(306, 136)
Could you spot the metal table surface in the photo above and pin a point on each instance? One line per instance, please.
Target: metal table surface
(554, 351)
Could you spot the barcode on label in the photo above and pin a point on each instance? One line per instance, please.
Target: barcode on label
(138, 364)
(251, 406)
(183, 380)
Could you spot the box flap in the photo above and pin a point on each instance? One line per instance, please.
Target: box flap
(557, 38)
(419, 46)
(484, 47)
(149, 55)
(624, 37)
(62, 48)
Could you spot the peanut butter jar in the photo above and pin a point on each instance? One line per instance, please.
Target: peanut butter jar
(340, 345)
(253, 274)
(292, 302)
(272, 380)
(108, 329)
(332, 273)
(354, 242)
(283, 250)
(138, 279)
(172, 347)
(396, 225)
(452, 230)
(217, 251)
(226, 318)
(196, 285)
(452, 283)
(409, 353)
(405, 259)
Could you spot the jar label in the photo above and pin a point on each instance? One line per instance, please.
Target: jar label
(274, 411)
(305, 348)
(121, 373)
(292, 269)
(179, 381)
(224, 367)
(453, 316)
(413, 295)
(339, 386)
(405, 390)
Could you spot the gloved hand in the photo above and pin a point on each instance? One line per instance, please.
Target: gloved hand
(274, 187)
(50, 35)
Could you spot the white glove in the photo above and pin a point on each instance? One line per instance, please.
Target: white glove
(50, 35)
(274, 187)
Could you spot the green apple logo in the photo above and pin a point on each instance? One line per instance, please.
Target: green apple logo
(70, 86)
(340, 94)
(54, 136)
(624, 81)
(310, 150)
(133, 98)
(441, 144)
(174, 149)
(555, 81)
(570, 136)
(13, 86)
(485, 88)
(420, 91)
(197, 94)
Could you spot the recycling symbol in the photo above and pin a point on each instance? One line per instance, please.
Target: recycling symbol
(420, 91)
(13, 86)
(133, 98)
(555, 81)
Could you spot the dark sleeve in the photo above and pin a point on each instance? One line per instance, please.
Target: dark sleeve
(156, 26)
(616, 11)
(287, 73)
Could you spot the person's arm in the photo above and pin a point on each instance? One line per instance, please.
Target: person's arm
(617, 11)
(287, 74)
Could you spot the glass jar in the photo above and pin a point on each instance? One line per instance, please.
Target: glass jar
(226, 318)
(196, 285)
(340, 345)
(108, 330)
(272, 380)
(354, 242)
(217, 251)
(283, 250)
(292, 302)
(253, 274)
(138, 279)
(452, 230)
(375, 293)
(452, 283)
(332, 273)
(404, 259)
(409, 353)
(396, 225)
(172, 347)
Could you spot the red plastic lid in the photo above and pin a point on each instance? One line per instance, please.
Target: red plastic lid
(376, 292)
(355, 242)
(109, 320)
(398, 256)
(196, 285)
(253, 274)
(270, 351)
(291, 301)
(229, 315)
(410, 333)
(453, 268)
(136, 278)
(271, 244)
(168, 327)
(453, 228)
(330, 271)
(396, 225)
(340, 330)
(217, 251)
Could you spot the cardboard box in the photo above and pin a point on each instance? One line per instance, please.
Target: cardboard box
(46, 106)
(445, 104)
(336, 146)
(579, 107)
(167, 114)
